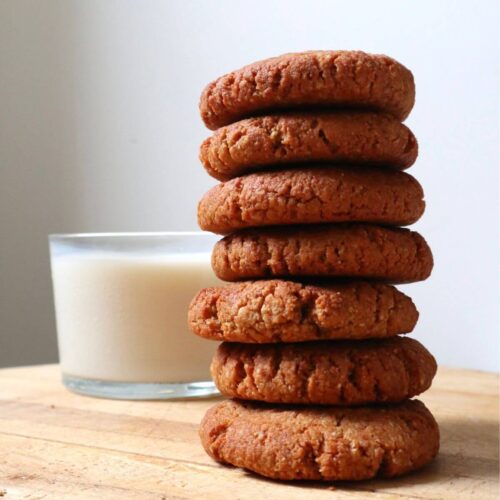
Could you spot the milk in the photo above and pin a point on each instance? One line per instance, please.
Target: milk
(124, 318)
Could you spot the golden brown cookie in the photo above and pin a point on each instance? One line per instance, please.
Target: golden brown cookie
(350, 250)
(325, 372)
(285, 311)
(340, 79)
(312, 196)
(321, 443)
(328, 137)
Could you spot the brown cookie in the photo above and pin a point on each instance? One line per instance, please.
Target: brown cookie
(284, 311)
(342, 137)
(340, 79)
(351, 250)
(321, 443)
(312, 196)
(326, 372)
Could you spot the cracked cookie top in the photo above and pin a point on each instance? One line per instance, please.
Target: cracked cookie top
(336, 79)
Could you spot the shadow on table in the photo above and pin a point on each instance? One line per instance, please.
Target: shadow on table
(456, 459)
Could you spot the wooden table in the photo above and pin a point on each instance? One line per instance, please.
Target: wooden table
(55, 444)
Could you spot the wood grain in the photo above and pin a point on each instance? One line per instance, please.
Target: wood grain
(55, 444)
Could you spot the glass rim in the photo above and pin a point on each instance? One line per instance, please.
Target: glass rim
(159, 234)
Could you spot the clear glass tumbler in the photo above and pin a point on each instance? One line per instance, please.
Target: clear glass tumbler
(121, 305)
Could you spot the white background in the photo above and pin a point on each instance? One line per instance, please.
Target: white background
(99, 131)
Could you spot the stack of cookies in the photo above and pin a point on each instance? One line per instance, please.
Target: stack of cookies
(310, 150)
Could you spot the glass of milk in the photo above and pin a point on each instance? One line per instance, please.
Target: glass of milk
(121, 305)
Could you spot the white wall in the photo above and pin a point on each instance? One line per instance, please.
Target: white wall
(99, 131)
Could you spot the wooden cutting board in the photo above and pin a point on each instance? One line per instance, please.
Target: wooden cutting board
(55, 444)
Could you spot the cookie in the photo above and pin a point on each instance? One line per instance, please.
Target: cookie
(321, 443)
(325, 372)
(284, 311)
(343, 137)
(312, 196)
(350, 250)
(334, 79)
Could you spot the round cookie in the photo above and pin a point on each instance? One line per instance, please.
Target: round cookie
(338, 250)
(325, 372)
(321, 443)
(285, 311)
(312, 196)
(339, 79)
(341, 137)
